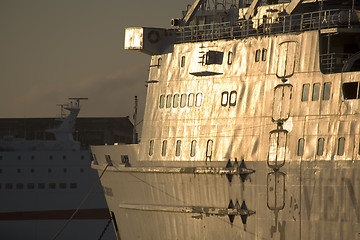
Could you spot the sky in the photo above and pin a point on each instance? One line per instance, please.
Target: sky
(51, 50)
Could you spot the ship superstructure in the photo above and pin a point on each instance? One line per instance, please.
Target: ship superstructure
(251, 126)
(42, 183)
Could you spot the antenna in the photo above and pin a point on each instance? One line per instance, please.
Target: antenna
(77, 100)
(134, 117)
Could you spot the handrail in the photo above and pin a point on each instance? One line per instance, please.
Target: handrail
(266, 26)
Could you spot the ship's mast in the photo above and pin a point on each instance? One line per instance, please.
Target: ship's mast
(135, 140)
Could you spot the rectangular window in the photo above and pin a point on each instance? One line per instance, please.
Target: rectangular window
(263, 54)
(178, 148)
(73, 185)
(341, 146)
(52, 185)
(305, 92)
(182, 61)
(209, 150)
(163, 149)
(233, 96)
(350, 90)
(230, 58)
(257, 55)
(193, 148)
(300, 150)
(326, 91)
(183, 100)
(176, 100)
(191, 100)
(162, 101)
(168, 101)
(41, 185)
(198, 100)
(108, 159)
(151, 147)
(315, 92)
(320, 147)
(62, 185)
(30, 186)
(19, 186)
(224, 98)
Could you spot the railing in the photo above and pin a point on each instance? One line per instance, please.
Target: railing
(266, 26)
(333, 62)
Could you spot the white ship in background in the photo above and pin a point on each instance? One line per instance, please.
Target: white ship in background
(251, 128)
(42, 183)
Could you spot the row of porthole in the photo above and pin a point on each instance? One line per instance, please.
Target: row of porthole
(19, 157)
(320, 147)
(31, 186)
(181, 100)
(32, 170)
(193, 146)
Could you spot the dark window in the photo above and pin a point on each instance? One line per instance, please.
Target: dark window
(82, 157)
(30, 186)
(108, 159)
(257, 55)
(341, 146)
(162, 101)
(224, 98)
(32, 157)
(18, 170)
(320, 147)
(182, 61)
(51, 157)
(62, 185)
(41, 185)
(64, 170)
(178, 148)
(151, 147)
(73, 185)
(326, 91)
(19, 157)
(8, 186)
(214, 57)
(300, 150)
(64, 157)
(305, 92)
(19, 186)
(49, 170)
(163, 149)
(350, 90)
(315, 92)
(52, 185)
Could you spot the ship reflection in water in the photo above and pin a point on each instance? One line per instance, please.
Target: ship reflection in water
(43, 182)
(251, 127)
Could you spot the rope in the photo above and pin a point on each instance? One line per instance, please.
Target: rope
(81, 204)
(106, 227)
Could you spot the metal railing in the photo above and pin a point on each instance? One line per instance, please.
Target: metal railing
(333, 62)
(266, 26)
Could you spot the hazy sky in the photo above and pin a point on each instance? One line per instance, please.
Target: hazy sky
(54, 49)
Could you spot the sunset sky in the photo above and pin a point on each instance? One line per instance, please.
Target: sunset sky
(51, 50)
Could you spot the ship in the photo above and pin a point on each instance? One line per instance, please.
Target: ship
(47, 187)
(251, 126)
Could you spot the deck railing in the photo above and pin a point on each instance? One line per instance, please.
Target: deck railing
(266, 26)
